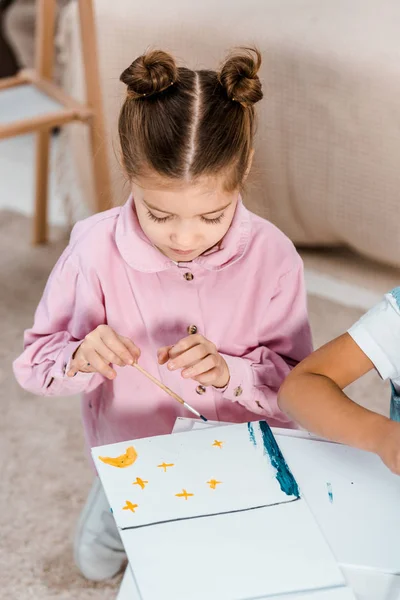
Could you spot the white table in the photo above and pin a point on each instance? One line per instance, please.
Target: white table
(366, 583)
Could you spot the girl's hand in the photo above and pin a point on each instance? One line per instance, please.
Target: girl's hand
(388, 447)
(101, 348)
(199, 360)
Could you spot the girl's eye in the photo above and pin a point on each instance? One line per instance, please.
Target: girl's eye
(157, 219)
(215, 221)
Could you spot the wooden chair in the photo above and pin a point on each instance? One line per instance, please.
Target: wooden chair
(70, 110)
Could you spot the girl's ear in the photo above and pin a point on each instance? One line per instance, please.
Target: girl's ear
(251, 155)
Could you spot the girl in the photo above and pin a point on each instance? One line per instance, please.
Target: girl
(209, 297)
(313, 396)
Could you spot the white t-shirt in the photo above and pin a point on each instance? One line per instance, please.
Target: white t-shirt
(377, 333)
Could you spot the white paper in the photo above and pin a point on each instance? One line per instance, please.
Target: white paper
(237, 556)
(342, 593)
(362, 522)
(373, 585)
(128, 589)
(205, 472)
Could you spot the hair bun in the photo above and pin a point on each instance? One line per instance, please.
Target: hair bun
(150, 74)
(238, 76)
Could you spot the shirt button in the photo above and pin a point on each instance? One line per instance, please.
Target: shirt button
(189, 276)
(201, 390)
(192, 329)
(238, 391)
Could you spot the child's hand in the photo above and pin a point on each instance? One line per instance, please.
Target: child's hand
(389, 446)
(101, 348)
(199, 360)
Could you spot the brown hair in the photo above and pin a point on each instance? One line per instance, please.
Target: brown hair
(185, 124)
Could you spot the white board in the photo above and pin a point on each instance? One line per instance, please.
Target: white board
(250, 536)
(128, 589)
(236, 556)
(332, 594)
(362, 519)
(189, 475)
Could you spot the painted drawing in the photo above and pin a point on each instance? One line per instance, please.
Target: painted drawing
(165, 466)
(140, 482)
(170, 475)
(228, 497)
(124, 460)
(283, 474)
(218, 443)
(213, 483)
(184, 494)
(130, 506)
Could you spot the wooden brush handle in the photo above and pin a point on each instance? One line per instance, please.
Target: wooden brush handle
(157, 382)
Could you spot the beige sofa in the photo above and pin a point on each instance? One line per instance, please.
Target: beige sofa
(327, 168)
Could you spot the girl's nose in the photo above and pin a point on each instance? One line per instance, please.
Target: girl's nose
(184, 236)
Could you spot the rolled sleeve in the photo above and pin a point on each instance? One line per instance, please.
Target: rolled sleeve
(372, 349)
(377, 333)
(71, 307)
(63, 364)
(241, 383)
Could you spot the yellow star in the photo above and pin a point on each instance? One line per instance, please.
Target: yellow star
(141, 482)
(218, 444)
(130, 506)
(213, 483)
(165, 466)
(184, 494)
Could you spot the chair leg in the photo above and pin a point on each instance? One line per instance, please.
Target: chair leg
(41, 187)
(44, 59)
(101, 172)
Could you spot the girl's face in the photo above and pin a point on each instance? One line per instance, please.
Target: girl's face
(184, 220)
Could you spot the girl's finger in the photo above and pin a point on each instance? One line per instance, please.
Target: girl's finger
(79, 365)
(163, 354)
(208, 378)
(108, 355)
(189, 358)
(114, 343)
(99, 365)
(203, 366)
(187, 343)
(132, 348)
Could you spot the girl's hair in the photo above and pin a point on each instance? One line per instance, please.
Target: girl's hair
(184, 124)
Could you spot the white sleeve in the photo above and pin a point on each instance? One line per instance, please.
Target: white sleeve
(377, 333)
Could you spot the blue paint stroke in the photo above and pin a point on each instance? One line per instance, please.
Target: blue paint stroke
(284, 475)
(251, 434)
(330, 493)
(394, 404)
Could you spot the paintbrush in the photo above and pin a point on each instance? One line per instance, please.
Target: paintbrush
(168, 391)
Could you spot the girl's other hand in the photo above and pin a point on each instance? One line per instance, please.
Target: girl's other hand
(388, 446)
(101, 348)
(199, 360)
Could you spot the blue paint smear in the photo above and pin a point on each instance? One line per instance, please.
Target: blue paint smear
(330, 493)
(394, 404)
(284, 475)
(251, 434)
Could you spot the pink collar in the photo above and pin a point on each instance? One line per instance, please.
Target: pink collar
(137, 250)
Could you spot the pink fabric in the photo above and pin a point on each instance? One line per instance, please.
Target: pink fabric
(247, 296)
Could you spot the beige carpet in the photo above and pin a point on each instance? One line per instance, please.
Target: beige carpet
(44, 477)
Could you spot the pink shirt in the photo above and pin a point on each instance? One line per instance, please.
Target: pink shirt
(247, 296)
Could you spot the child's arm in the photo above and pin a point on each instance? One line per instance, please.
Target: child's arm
(71, 307)
(312, 395)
